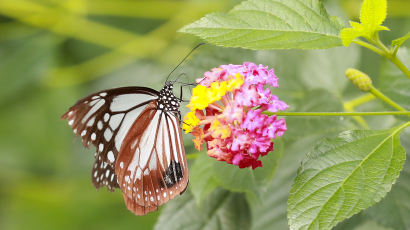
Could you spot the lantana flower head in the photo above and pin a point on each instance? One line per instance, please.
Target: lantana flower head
(226, 113)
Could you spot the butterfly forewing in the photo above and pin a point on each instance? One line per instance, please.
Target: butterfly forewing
(151, 166)
(103, 119)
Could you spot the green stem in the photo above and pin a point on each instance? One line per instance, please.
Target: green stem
(391, 55)
(370, 47)
(382, 50)
(358, 119)
(350, 105)
(338, 113)
(400, 65)
(358, 101)
(396, 48)
(380, 44)
(383, 97)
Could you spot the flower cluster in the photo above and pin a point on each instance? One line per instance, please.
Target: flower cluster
(226, 113)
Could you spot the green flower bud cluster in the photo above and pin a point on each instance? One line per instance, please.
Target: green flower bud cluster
(359, 79)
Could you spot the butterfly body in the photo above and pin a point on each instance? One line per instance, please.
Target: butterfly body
(136, 131)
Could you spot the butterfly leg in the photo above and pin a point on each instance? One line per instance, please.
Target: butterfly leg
(180, 93)
(179, 118)
(180, 97)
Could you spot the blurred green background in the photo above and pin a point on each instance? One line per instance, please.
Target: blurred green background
(53, 52)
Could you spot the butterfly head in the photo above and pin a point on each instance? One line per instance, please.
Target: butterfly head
(167, 100)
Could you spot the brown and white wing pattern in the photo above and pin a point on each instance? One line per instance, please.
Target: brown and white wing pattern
(103, 119)
(151, 166)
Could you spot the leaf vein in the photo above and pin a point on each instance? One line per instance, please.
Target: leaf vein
(359, 166)
(322, 170)
(297, 13)
(269, 13)
(321, 17)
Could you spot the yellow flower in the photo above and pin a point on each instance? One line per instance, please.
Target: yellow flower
(217, 91)
(199, 99)
(190, 121)
(203, 96)
(235, 82)
(218, 130)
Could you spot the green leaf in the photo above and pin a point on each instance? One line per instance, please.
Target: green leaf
(393, 83)
(270, 24)
(343, 176)
(349, 34)
(373, 12)
(207, 174)
(271, 212)
(247, 180)
(264, 175)
(394, 210)
(399, 41)
(372, 15)
(202, 180)
(221, 210)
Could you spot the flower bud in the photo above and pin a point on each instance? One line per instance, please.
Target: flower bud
(359, 79)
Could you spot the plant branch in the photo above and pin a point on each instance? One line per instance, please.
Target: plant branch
(324, 114)
(382, 50)
(370, 47)
(358, 119)
(391, 55)
(400, 65)
(358, 101)
(383, 97)
(395, 49)
(380, 44)
(350, 105)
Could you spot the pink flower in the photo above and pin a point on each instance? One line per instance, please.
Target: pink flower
(233, 126)
(260, 145)
(240, 140)
(254, 120)
(248, 96)
(243, 160)
(275, 128)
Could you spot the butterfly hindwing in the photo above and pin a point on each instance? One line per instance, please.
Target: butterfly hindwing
(151, 166)
(103, 174)
(103, 120)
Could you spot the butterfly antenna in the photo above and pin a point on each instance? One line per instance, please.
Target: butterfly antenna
(176, 67)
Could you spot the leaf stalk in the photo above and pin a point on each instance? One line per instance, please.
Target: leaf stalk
(384, 98)
(324, 114)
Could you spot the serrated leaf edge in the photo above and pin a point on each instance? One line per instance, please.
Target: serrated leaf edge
(397, 129)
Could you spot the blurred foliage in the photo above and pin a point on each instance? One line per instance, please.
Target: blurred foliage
(53, 52)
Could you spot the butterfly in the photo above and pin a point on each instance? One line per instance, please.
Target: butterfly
(138, 140)
(137, 135)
